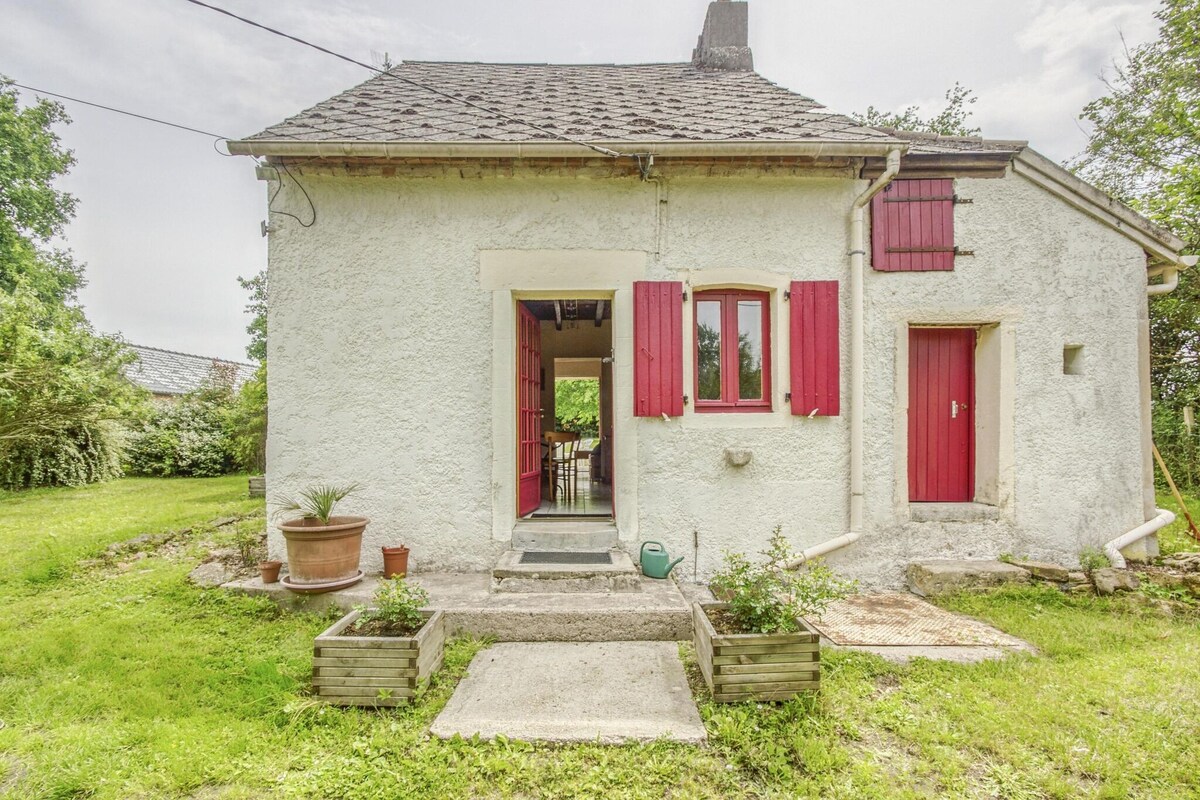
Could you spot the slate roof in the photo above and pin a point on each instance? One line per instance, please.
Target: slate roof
(922, 142)
(167, 372)
(590, 102)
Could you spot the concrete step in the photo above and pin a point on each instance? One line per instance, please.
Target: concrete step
(565, 534)
(659, 612)
(537, 571)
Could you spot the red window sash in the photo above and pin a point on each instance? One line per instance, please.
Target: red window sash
(729, 353)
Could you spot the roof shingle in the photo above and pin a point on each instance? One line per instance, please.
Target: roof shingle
(588, 102)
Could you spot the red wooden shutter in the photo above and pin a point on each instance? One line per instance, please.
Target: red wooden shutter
(657, 348)
(912, 226)
(815, 348)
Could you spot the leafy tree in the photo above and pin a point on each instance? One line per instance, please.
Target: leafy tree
(257, 286)
(577, 405)
(1145, 150)
(61, 385)
(32, 210)
(950, 121)
(246, 423)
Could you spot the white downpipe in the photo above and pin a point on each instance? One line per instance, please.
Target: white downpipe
(857, 362)
(1169, 282)
(1113, 549)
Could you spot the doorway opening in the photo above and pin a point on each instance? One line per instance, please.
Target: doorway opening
(564, 409)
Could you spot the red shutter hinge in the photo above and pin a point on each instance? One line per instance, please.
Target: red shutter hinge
(686, 400)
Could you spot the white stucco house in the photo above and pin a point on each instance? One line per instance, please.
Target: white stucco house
(896, 346)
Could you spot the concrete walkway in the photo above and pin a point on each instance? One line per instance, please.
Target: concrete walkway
(607, 692)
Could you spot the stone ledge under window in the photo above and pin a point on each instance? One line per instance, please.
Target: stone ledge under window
(952, 512)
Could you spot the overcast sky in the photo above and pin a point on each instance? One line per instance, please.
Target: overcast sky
(165, 225)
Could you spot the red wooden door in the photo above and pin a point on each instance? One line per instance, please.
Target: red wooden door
(529, 411)
(941, 415)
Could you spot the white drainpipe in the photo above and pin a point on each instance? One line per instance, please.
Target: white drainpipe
(857, 361)
(1170, 282)
(1113, 549)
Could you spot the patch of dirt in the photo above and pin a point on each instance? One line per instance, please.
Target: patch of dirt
(14, 773)
(376, 627)
(240, 560)
(891, 755)
(726, 623)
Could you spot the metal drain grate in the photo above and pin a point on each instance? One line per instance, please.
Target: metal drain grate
(540, 557)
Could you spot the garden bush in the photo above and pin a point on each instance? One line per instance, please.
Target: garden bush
(187, 438)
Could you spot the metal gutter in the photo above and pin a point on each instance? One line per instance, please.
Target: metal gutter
(719, 149)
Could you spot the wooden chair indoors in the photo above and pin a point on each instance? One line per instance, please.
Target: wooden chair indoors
(564, 470)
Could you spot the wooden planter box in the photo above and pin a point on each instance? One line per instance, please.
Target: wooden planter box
(376, 670)
(755, 666)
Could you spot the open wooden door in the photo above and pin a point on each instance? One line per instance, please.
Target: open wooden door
(529, 412)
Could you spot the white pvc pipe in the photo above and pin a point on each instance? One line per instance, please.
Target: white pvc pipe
(857, 362)
(1169, 283)
(1113, 549)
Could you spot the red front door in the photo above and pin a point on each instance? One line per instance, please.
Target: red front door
(941, 415)
(529, 411)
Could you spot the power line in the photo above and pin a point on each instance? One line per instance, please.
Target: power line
(119, 111)
(377, 70)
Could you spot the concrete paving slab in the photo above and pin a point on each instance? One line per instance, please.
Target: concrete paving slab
(607, 692)
(901, 627)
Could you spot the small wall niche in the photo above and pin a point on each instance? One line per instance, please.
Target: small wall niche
(1072, 359)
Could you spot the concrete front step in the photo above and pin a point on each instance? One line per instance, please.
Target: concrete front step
(657, 613)
(511, 575)
(565, 534)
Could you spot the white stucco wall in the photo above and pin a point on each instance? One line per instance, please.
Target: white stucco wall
(383, 345)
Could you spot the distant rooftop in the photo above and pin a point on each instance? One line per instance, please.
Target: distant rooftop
(166, 372)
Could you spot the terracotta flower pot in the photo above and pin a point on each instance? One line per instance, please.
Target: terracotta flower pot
(270, 571)
(395, 562)
(323, 554)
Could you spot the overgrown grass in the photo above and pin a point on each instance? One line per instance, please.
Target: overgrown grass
(1175, 537)
(133, 684)
(43, 532)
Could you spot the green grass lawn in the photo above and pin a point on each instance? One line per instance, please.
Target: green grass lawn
(1175, 537)
(131, 683)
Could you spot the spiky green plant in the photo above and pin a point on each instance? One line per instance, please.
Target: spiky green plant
(318, 502)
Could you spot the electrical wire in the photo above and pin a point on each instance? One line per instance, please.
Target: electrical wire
(377, 70)
(215, 136)
(299, 185)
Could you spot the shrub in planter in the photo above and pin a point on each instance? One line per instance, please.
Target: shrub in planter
(756, 645)
(380, 656)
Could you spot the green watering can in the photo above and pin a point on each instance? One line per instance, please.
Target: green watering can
(655, 561)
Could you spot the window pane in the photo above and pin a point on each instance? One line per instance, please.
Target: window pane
(708, 349)
(750, 351)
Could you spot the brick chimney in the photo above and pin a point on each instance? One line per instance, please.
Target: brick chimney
(724, 42)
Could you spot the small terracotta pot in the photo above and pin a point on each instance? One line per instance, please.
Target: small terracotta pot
(395, 562)
(270, 571)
